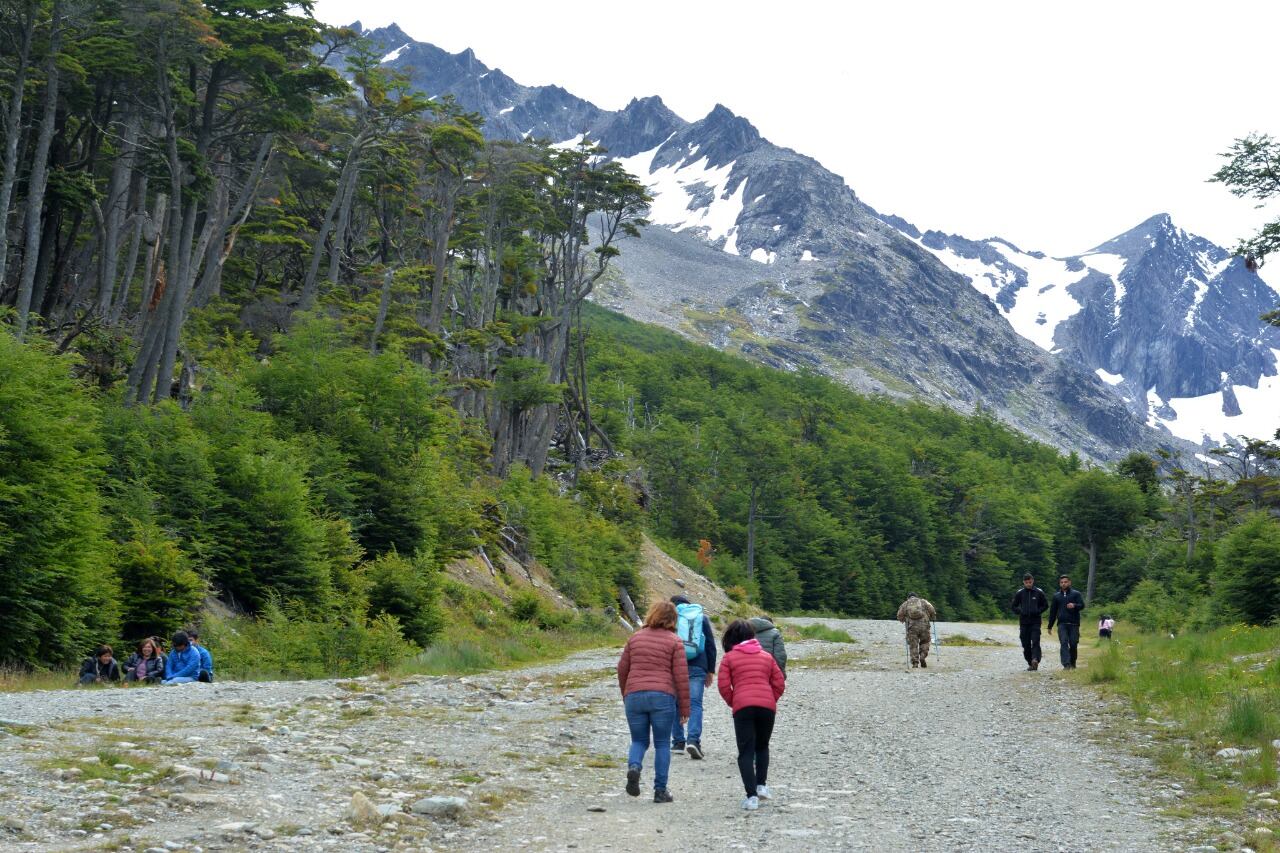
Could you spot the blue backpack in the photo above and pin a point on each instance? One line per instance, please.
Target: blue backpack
(689, 629)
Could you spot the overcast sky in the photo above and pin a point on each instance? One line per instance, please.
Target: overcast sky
(1056, 125)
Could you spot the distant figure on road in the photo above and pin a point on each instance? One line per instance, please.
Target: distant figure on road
(1067, 606)
(770, 640)
(1105, 626)
(102, 668)
(1029, 602)
(654, 679)
(750, 683)
(701, 659)
(918, 614)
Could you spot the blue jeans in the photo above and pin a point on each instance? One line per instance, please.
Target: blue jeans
(182, 679)
(650, 710)
(1069, 638)
(697, 684)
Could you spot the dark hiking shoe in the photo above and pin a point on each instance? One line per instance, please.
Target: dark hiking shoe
(915, 664)
(662, 795)
(695, 751)
(924, 665)
(1035, 665)
(1030, 668)
(678, 746)
(633, 782)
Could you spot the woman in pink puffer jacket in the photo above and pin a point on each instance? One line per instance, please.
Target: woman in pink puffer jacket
(751, 683)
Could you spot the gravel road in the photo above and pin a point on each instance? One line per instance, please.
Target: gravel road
(972, 754)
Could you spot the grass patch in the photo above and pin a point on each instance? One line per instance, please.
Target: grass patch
(481, 635)
(1207, 691)
(23, 681)
(962, 640)
(843, 659)
(818, 631)
(105, 767)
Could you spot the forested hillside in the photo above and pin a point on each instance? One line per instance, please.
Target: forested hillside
(295, 343)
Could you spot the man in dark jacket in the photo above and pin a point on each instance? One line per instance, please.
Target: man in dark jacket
(1067, 606)
(702, 669)
(102, 668)
(1028, 603)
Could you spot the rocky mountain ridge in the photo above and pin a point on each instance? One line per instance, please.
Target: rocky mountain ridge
(764, 251)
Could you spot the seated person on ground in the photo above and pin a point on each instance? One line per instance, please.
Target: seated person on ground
(183, 664)
(146, 664)
(102, 668)
(206, 659)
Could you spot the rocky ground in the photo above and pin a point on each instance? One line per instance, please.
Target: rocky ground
(972, 754)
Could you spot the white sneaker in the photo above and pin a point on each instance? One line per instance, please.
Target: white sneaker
(762, 792)
(751, 804)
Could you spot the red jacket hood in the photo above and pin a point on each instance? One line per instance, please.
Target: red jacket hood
(751, 647)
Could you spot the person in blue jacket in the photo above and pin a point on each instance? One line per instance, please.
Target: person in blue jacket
(701, 673)
(183, 664)
(206, 659)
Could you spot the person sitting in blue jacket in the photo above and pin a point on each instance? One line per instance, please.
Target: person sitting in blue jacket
(183, 664)
(206, 659)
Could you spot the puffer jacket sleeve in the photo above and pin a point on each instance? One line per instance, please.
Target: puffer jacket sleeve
(624, 667)
(777, 681)
(779, 651)
(680, 671)
(724, 681)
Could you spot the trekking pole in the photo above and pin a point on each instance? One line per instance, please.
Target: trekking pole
(906, 641)
(937, 643)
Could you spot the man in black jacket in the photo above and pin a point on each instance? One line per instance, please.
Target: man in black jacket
(1067, 605)
(1029, 602)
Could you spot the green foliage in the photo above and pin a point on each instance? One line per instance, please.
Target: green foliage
(407, 590)
(58, 593)
(818, 631)
(161, 590)
(1247, 582)
(1150, 607)
(588, 557)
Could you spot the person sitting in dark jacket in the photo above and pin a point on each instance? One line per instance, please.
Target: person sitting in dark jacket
(206, 659)
(146, 664)
(101, 668)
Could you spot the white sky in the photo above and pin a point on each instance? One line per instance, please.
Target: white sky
(1056, 125)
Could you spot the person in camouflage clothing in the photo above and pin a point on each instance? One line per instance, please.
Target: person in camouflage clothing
(918, 614)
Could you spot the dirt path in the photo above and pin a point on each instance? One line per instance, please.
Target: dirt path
(972, 754)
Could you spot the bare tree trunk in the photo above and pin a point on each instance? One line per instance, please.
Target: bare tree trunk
(330, 217)
(384, 303)
(39, 176)
(117, 205)
(12, 132)
(120, 302)
(1093, 569)
(340, 229)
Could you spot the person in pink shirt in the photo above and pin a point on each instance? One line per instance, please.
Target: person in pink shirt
(751, 683)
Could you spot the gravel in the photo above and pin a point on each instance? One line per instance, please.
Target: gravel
(972, 754)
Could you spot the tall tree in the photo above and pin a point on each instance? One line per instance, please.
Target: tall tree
(1099, 507)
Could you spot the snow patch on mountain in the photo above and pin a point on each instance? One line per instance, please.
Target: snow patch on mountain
(1109, 378)
(1205, 417)
(680, 193)
(395, 54)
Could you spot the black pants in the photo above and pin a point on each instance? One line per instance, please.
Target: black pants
(1029, 633)
(753, 727)
(1069, 637)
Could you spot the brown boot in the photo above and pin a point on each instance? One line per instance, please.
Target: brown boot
(923, 665)
(915, 664)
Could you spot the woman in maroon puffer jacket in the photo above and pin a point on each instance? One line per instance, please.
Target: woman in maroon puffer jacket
(751, 683)
(653, 676)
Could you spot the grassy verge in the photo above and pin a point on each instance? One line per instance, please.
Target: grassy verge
(818, 631)
(480, 633)
(1196, 696)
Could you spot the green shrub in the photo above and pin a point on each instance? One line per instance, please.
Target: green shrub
(818, 631)
(408, 590)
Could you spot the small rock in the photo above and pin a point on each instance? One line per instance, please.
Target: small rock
(234, 826)
(362, 762)
(389, 809)
(121, 766)
(596, 809)
(362, 811)
(679, 583)
(440, 806)
(70, 774)
(13, 824)
(1230, 754)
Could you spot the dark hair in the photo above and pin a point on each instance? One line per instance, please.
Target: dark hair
(1028, 577)
(739, 631)
(1060, 577)
(679, 599)
(181, 639)
(104, 649)
(193, 633)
